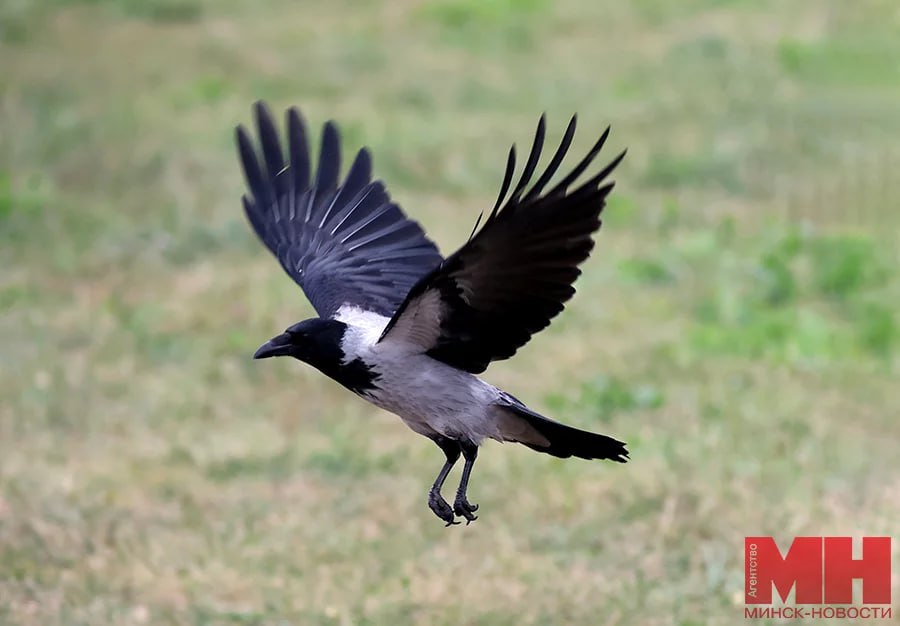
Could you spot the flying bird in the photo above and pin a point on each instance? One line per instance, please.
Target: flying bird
(405, 328)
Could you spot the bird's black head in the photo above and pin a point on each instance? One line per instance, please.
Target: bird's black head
(316, 341)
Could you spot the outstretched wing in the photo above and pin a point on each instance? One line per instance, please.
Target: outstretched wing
(344, 244)
(514, 275)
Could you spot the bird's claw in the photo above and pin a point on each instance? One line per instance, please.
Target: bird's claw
(440, 508)
(463, 508)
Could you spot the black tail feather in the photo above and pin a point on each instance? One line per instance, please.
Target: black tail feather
(566, 441)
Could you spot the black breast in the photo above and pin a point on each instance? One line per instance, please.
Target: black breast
(355, 376)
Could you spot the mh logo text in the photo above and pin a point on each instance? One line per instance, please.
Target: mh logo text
(820, 571)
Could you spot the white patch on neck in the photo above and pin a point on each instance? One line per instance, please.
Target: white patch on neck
(363, 330)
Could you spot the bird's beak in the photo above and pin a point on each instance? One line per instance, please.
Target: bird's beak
(276, 346)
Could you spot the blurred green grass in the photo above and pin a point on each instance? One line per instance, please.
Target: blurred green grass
(737, 324)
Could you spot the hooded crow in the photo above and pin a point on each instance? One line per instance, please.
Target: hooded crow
(405, 328)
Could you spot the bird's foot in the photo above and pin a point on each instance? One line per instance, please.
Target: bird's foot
(462, 508)
(440, 507)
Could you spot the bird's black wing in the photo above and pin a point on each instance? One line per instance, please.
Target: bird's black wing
(512, 277)
(343, 243)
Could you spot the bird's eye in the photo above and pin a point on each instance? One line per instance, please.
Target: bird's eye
(298, 335)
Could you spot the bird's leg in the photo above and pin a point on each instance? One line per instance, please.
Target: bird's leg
(435, 500)
(461, 505)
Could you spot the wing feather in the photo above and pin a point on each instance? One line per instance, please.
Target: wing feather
(344, 243)
(515, 274)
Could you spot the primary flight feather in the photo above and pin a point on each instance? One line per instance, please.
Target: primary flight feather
(405, 328)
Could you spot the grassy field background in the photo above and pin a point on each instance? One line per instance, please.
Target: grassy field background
(737, 325)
